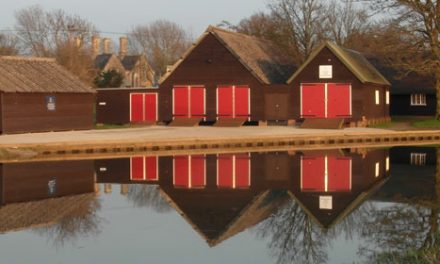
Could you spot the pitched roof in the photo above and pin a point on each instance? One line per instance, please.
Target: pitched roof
(102, 60)
(130, 61)
(353, 60)
(22, 74)
(259, 56)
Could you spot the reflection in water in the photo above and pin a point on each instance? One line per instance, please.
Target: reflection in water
(300, 202)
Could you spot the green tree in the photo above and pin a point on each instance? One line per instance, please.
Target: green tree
(109, 79)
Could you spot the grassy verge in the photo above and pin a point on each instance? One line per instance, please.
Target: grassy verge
(109, 126)
(429, 123)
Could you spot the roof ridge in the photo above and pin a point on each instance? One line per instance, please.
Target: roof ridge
(28, 58)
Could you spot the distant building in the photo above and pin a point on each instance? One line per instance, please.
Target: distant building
(136, 70)
(37, 94)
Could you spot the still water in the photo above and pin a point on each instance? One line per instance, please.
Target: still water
(330, 206)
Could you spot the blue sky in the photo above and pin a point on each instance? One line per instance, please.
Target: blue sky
(122, 15)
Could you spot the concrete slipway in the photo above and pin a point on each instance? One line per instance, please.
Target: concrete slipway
(160, 140)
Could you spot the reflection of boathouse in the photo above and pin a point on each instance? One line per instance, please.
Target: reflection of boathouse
(42, 193)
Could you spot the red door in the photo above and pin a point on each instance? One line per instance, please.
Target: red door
(233, 171)
(338, 100)
(188, 101)
(339, 174)
(325, 174)
(233, 101)
(313, 100)
(136, 107)
(144, 168)
(143, 107)
(312, 174)
(150, 107)
(189, 171)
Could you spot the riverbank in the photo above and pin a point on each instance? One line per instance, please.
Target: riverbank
(161, 140)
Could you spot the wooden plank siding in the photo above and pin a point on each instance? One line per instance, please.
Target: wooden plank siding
(29, 181)
(117, 104)
(27, 112)
(211, 64)
(363, 95)
(401, 105)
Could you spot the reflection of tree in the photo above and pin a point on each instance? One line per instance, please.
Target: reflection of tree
(294, 238)
(148, 196)
(80, 220)
(407, 232)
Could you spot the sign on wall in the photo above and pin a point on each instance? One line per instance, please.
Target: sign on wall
(325, 71)
(51, 103)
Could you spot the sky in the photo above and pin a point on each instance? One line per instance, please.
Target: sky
(121, 15)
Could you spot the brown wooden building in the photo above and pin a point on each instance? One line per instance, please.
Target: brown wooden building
(126, 105)
(226, 75)
(39, 95)
(335, 82)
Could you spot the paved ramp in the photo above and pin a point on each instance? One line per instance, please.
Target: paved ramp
(230, 122)
(185, 122)
(323, 123)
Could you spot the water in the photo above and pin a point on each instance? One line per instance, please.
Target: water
(332, 206)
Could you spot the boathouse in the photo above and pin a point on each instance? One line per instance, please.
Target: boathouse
(226, 76)
(413, 95)
(335, 82)
(126, 105)
(37, 95)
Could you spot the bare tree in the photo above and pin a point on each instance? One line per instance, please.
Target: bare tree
(420, 24)
(8, 45)
(162, 41)
(59, 35)
(303, 19)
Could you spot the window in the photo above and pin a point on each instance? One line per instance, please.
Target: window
(377, 97)
(387, 164)
(377, 169)
(418, 159)
(325, 71)
(418, 99)
(387, 97)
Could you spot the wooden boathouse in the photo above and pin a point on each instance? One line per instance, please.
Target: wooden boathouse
(37, 95)
(226, 76)
(335, 82)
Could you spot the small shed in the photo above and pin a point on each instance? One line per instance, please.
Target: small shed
(225, 75)
(336, 82)
(126, 105)
(38, 95)
(413, 95)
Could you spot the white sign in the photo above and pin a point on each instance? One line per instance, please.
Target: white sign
(326, 202)
(325, 71)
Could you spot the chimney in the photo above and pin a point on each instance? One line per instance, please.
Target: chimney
(78, 42)
(95, 45)
(106, 43)
(123, 43)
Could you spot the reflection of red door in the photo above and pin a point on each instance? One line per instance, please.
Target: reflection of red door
(233, 171)
(143, 107)
(326, 174)
(338, 100)
(188, 101)
(189, 171)
(144, 168)
(313, 100)
(233, 101)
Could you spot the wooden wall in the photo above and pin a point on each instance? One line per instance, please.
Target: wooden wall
(401, 105)
(117, 104)
(29, 181)
(211, 64)
(27, 112)
(363, 95)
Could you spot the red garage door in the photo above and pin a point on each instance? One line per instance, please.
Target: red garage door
(313, 100)
(189, 101)
(144, 168)
(233, 171)
(325, 100)
(338, 100)
(143, 107)
(233, 101)
(326, 174)
(189, 171)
